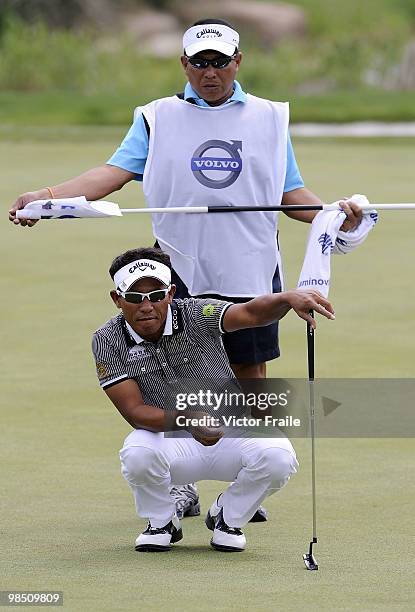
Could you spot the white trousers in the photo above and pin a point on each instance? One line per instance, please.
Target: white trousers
(255, 467)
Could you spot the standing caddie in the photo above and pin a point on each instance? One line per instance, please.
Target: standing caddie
(156, 341)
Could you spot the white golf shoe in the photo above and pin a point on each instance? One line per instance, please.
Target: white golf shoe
(225, 538)
(159, 539)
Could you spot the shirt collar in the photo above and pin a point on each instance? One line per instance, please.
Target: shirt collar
(238, 95)
(168, 328)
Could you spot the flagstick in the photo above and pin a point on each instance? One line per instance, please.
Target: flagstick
(288, 208)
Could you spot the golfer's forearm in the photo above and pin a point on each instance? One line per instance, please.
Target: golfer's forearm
(266, 309)
(301, 196)
(153, 418)
(93, 184)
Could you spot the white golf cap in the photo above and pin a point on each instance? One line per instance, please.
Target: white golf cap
(141, 268)
(210, 36)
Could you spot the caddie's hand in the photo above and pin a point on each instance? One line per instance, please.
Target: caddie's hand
(354, 215)
(22, 200)
(304, 300)
(204, 434)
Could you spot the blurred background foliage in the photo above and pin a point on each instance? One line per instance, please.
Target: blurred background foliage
(91, 61)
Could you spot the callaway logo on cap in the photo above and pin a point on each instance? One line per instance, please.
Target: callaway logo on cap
(141, 268)
(212, 36)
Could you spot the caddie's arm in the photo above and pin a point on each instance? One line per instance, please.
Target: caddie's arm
(126, 397)
(301, 195)
(305, 196)
(93, 184)
(266, 309)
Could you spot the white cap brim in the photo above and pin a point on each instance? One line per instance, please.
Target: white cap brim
(208, 45)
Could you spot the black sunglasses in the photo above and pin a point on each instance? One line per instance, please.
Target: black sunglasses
(135, 297)
(202, 64)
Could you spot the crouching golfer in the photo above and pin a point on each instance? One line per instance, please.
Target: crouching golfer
(156, 339)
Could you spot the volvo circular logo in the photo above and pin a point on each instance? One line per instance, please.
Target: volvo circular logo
(208, 170)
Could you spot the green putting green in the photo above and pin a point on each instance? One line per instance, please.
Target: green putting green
(68, 520)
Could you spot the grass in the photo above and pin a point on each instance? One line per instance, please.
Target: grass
(53, 109)
(68, 521)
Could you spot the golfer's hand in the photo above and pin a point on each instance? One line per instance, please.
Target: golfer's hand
(208, 436)
(304, 300)
(22, 200)
(354, 215)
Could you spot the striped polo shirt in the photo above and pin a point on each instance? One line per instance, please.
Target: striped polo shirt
(193, 351)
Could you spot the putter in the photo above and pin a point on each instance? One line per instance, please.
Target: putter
(309, 559)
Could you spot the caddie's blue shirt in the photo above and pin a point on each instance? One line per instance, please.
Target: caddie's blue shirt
(132, 153)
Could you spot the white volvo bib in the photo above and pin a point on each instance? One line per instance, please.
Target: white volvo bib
(235, 154)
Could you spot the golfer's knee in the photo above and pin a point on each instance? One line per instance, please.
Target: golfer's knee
(140, 465)
(278, 464)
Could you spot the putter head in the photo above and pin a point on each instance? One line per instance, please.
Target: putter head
(310, 562)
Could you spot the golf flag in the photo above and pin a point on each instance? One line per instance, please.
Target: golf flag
(68, 208)
(326, 238)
